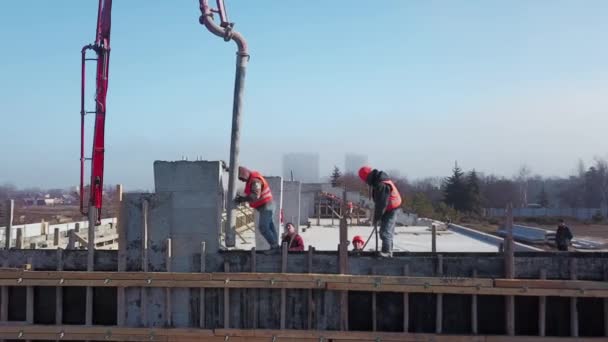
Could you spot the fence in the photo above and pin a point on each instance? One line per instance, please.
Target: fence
(577, 213)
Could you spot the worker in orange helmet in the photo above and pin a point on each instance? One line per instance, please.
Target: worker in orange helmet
(358, 243)
(387, 202)
(259, 196)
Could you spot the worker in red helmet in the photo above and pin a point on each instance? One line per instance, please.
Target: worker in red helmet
(358, 243)
(259, 196)
(387, 203)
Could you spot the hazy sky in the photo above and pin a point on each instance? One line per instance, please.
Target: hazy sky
(413, 84)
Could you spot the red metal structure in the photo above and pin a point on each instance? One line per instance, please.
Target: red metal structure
(102, 51)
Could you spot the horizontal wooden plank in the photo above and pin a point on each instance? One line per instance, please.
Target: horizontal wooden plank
(499, 291)
(552, 284)
(113, 333)
(515, 287)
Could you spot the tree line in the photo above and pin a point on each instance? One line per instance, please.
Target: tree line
(469, 192)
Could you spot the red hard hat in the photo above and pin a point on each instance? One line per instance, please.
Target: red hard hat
(364, 172)
(358, 238)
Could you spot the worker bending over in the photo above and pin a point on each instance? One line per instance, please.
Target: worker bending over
(293, 240)
(259, 196)
(387, 202)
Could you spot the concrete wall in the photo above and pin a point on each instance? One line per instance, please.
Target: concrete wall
(292, 196)
(590, 266)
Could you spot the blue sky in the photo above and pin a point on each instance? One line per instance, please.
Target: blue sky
(413, 84)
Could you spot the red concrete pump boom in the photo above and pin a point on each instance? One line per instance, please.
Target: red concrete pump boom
(102, 51)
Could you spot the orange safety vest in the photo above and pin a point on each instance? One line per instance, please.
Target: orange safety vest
(265, 196)
(394, 200)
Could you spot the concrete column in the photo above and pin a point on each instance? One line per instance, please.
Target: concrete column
(197, 194)
(291, 202)
(276, 186)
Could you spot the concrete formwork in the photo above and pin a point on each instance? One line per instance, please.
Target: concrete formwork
(291, 211)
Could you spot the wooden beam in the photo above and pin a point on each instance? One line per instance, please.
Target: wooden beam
(90, 263)
(573, 302)
(59, 291)
(112, 333)
(168, 292)
(542, 308)
(433, 238)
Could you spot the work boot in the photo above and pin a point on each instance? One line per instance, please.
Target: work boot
(385, 254)
(272, 250)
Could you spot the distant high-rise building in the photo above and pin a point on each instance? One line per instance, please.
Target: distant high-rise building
(304, 167)
(353, 162)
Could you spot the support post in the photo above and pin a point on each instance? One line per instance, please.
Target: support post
(8, 224)
(5, 299)
(406, 303)
(542, 308)
(168, 292)
(90, 264)
(19, 241)
(374, 304)
(343, 262)
(29, 298)
(474, 327)
(433, 238)
(56, 237)
(319, 211)
(255, 291)
(439, 303)
(509, 271)
(59, 291)
(311, 302)
(573, 302)
(122, 258)
(606, 304)
(284, 251)
(201, 319)
(226, 299)
(144, 261)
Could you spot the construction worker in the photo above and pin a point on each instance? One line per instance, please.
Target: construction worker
(358, 243)
(387, 202)
(259, 196)
(563, 236)
(349, 213)
(293, 240)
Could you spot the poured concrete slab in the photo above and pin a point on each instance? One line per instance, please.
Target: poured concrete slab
(410, 239)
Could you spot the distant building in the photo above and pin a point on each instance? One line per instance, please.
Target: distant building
(304, 167)
(353, 162)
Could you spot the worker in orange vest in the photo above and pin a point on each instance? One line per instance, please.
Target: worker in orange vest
(387, 203)
(259, 196)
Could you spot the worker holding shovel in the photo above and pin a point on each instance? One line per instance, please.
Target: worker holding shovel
(387, 202)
